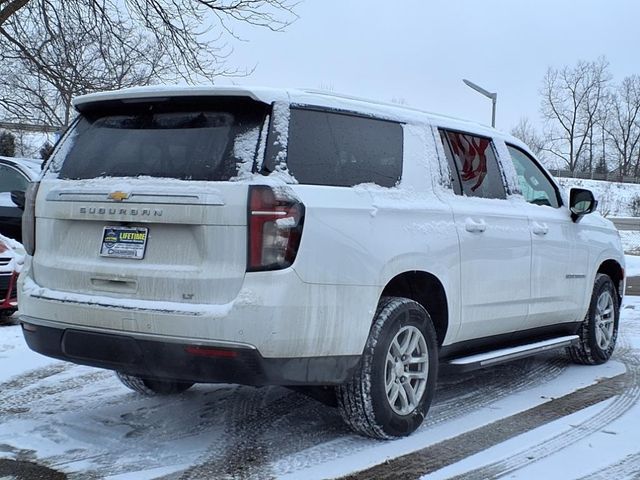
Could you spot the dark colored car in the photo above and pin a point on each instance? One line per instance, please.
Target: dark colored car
(15, 174)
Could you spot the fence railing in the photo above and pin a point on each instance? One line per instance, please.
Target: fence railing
(29, 127)
(626, 223)
(609, 177)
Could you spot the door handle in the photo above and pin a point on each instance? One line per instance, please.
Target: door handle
(540, 228)
(474, 227)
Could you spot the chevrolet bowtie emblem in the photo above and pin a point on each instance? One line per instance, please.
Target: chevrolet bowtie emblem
(118, 196)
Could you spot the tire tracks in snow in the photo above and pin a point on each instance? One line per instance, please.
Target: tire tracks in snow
(448, 452)
(254, 429)
(626, 469)
(26, 385)
(457, 395)
(623, 402)
(19, 394)
(493, 384)
(28, 378)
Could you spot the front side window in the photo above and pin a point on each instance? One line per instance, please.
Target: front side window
(329, 148)
(475, 162)
(11, 179)
(207, 139)
(536, 187)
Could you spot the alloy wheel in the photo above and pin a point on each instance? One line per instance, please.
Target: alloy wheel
(406, 370)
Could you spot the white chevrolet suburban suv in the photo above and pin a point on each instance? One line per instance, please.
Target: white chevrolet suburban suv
(304, 239)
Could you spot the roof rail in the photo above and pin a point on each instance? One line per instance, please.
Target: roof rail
(360, 99)
(383, 104)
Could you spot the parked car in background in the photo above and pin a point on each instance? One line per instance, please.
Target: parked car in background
(11, 257)
(15, 175)
(305, 239)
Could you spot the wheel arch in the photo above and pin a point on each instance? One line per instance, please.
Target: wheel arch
(426, 289)
(615, 272)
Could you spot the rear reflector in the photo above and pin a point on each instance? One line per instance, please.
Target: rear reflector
(200, 351)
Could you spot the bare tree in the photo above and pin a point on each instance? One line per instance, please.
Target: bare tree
(53, 60)
(10, 7)
(52, 50)
(623, 127)
(525, 131)
(571, 100)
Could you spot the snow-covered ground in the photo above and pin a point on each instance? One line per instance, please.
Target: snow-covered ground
(632, 265)
(614, 199)
(82, 421)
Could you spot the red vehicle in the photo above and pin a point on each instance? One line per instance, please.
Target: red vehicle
(9, 259)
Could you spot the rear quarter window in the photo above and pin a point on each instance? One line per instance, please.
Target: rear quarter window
(338, 149)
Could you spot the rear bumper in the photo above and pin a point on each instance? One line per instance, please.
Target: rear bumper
(175, 360)
(275, 313)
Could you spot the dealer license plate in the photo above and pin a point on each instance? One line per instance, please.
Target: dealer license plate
(124, 242)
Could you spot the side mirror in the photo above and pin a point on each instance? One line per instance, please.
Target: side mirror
(581, 202)
(17, 197)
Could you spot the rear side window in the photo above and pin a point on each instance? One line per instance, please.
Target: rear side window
(475, 160)
(189, 140)
(328, 148)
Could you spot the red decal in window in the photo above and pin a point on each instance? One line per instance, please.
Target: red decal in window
(470, 152)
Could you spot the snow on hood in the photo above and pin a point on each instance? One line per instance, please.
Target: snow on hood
(14, 251)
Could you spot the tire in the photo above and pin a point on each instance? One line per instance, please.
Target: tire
(363, 402)
(148, 386)
(599, 329)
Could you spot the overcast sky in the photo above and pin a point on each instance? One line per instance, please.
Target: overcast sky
(419, 50)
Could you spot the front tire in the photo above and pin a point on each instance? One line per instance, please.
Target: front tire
(599, 329)
(391, 392)
(148, 386)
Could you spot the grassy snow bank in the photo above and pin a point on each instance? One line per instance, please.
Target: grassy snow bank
(614, 198)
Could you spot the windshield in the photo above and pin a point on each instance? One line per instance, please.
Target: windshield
(206, 140)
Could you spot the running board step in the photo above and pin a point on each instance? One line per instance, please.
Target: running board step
(495, 357)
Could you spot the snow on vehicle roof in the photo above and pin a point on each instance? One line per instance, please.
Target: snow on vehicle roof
(262, 94)
(316, 98)
(31, 166)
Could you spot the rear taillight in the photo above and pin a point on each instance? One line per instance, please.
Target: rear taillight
(275, 221)
(29, 218)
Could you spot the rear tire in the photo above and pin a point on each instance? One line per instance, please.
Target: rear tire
(392, 389)
(599, 329)
(148, 386)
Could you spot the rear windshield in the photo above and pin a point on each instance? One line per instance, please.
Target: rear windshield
(210, 139)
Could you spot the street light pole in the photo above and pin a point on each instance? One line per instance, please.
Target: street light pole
(492, 95)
